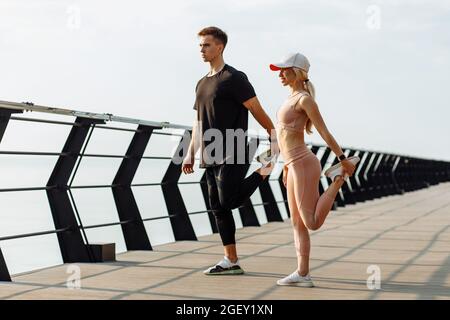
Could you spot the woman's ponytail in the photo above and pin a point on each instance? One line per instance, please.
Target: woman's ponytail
(311, 90)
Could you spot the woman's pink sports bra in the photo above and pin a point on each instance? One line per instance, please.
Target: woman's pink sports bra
(291, 119)
(290, 126)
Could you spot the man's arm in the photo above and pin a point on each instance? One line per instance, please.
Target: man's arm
(261, 116)
(194, 145)
(188, 162)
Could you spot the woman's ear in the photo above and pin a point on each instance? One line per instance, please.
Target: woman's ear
(304, 75)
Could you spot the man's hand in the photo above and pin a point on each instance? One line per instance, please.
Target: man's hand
(188, 165)
(285, 175)
(275, 150)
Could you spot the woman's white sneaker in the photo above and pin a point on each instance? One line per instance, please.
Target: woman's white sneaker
(337, 170)
(294, 279)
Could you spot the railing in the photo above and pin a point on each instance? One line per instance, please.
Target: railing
(378, 174)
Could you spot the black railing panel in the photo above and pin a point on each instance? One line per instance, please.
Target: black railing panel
(150, 171)
(163, 143)
(113, 181)
(34, 136)
(31, 253)
(25, 171)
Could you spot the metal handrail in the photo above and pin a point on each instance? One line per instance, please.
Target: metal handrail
(29, 106)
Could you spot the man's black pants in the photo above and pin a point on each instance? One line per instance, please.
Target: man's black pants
(229, 189)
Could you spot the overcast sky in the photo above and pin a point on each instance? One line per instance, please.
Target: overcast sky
(381, 68)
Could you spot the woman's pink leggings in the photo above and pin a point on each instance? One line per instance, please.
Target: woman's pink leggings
(308, 209)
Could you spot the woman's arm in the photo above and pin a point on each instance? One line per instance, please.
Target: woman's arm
(312, 110)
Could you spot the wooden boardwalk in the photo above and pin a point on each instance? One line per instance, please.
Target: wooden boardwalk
(407, 237)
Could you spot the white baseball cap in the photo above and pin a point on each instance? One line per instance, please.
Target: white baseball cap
(297, 60)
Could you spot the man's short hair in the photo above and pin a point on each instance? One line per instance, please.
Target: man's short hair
(217, 33)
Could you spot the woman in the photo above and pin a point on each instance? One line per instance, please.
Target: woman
(301, 172)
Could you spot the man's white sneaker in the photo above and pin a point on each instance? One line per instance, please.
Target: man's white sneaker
(336, 170)
(224, 266)
(268, 161)
(294, 279)
(266, 157)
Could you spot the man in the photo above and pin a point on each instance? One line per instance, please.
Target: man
(223, 98)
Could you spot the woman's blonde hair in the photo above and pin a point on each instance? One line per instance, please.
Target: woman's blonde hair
(302, 75)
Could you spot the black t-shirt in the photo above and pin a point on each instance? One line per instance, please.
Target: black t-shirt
(219, 107)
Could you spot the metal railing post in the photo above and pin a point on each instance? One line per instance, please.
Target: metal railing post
(134, 233)
(4, 273)
(181, 224)
(247, 211)
(72, 246)
(5, 115)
